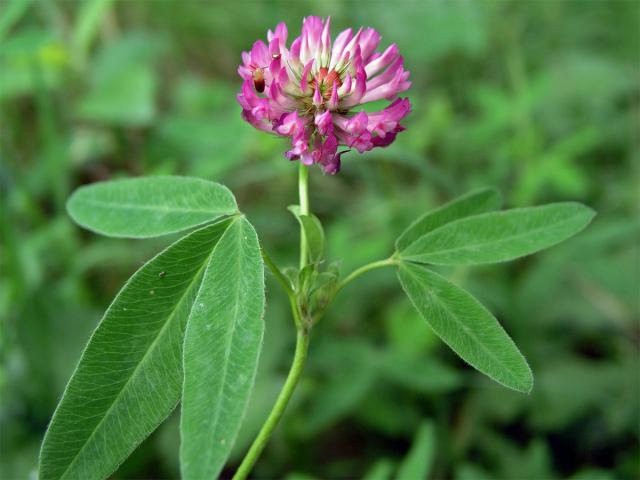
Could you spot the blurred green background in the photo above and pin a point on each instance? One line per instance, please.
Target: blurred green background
(538, 98)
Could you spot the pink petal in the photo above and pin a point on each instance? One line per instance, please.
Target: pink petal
(317, 97)
(390, 89)
(324, 122)
(332, 166)
(386, 121)
(333, 101)
(369, 42)
(382, 61)
(354, 41)
(326, 41)
(260, 54)
(280, 33)
(294, 52)
(345, 88)
(338, 47)
(304, 81)
(387, 75)
(358, 92)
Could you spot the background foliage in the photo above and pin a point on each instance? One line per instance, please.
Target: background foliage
(536, 98)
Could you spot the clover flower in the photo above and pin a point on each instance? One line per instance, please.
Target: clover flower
(312, 90)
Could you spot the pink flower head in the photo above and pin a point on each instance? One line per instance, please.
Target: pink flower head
(311, 91)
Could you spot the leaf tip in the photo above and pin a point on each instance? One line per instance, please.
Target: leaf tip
(69, 205)
(529, 384)
(525, 385)
(492, 190)
(592, 212)
(588, 214)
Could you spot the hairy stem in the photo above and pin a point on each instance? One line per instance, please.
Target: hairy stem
(303, 192)
(302, 345)
(282, 280)
(365, 268)
(286, 286)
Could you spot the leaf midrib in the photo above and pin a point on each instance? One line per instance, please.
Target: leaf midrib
(227, 353)
(480, 244)
(142, 360)
(470, 333)
(150, 207)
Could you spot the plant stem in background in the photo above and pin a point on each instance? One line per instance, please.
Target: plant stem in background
(302, 345)
(303, 191)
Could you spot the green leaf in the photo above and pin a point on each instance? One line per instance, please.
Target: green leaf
(306, 278)
(221, 350)
(12, 12)
(325, 280)
(473, 203)
(466, 326)
(381, 470)
(149, 206)
(89, 17)
(313, 233)
(418, 462)
(130, 375)
(499, 236)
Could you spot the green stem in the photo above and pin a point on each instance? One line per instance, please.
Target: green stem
(302, 340)
(365, 268)
(302, 345)
(282, 280)
(303, 192)
(286, 286)
(302, 337)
